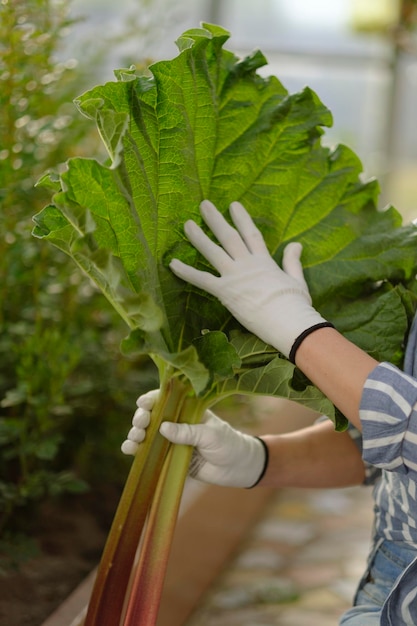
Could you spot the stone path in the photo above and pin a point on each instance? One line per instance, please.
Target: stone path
(300, 564)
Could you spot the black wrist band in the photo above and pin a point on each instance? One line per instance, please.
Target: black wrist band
(305, 334)
(262, 474)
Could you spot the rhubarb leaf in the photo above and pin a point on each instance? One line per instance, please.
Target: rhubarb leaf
(206, 124)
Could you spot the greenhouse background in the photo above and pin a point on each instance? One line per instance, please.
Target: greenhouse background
(67, 396)
(350, 52)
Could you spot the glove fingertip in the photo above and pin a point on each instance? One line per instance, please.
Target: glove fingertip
(177, 433)
(291, 261)
(136, 434)
(236, 206)
(207, 209)
(147, 400)
(168, 430)
(177, 267)
(206, 204)
(293, 249)
(141, 418)
(129, 447)
(203, 280)
(190, 227)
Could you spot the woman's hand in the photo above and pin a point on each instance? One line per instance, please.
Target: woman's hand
(222, 455)
(271, 302)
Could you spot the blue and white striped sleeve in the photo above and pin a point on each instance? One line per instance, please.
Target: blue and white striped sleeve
(388, 414)
(372, 473)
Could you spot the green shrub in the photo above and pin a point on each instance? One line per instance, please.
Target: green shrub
(59, 343)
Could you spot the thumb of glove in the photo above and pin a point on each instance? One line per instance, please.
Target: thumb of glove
(179, 433)
(291, 263)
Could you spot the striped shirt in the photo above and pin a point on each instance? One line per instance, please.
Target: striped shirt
(388, 413)
(389, 441)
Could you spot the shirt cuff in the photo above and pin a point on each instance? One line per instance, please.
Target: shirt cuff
(388, 413)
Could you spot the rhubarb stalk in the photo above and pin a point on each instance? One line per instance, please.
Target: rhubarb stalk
(108, 596)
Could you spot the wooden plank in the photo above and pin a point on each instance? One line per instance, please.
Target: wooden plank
(205, 540)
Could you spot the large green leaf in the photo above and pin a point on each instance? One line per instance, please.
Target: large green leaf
(206, 125)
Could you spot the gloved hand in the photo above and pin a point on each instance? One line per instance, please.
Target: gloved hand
(272, 303)
(222, 455)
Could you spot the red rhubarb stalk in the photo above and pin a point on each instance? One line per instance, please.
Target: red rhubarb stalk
(147, 586)
(112, 581)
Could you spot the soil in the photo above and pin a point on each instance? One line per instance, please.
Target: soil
(70, 537)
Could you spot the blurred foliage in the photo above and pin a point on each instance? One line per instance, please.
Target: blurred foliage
(396, 19)
(66, 395)
(408, 13)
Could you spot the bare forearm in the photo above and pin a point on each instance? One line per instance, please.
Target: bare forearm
(338, 368)
(316, 456)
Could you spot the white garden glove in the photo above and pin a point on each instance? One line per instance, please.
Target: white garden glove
(272, 303)
(222, 455)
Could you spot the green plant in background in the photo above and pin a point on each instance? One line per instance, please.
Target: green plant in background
(30, 134)
(207, 125)
(59, 358)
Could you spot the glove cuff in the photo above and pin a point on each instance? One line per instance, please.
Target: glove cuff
(266, 460)
(305, 334)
